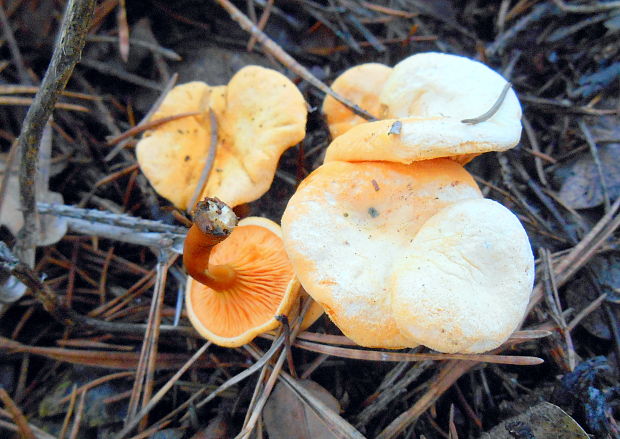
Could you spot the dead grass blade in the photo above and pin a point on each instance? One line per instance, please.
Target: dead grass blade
(161, 392)
(18, 416)
(106, 359)
(13, 100)
(361, 354)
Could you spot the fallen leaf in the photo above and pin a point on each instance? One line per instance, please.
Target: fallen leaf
(216, 429)
(580, 293)
(580, 180)
(286, 416)
(543, 421)
(96, 411)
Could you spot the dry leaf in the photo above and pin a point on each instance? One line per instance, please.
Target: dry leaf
(543, 421)
(581, 186)
(286, 416)
(580, 293)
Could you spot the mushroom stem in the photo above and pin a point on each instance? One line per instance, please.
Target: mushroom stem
(213, 222)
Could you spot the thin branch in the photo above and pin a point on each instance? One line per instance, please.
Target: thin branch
(587, 9)
(166, 53)
(18, 416)
(494, 108)
(206, 170)
(119, 227)
(67, 52)
(272, 47)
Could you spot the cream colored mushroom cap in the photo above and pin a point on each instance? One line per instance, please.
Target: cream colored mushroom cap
(429, 94)
(259, 114)
(346, 227)
(465, 281)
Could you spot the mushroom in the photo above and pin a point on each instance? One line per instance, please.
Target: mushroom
(429, 95)
(259, 114)
(400, 255)
(414, 254)
(360, 84)
(241, 278)
(464, 282)
(348, 224)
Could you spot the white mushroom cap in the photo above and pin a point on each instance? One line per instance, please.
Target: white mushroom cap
(437, 84)
(464, 283)
(346, 227)
(430, 94)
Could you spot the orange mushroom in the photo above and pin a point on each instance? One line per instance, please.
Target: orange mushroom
(346, 226)
(241, 278)
(414, 254)
(401, 255)
(258, 115)
(360, 84)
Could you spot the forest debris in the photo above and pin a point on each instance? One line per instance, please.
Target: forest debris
(543, 421)
(51, 228)
(287, 416)
(585, 392)
(604, 271)
(581, 183)
(72, 34)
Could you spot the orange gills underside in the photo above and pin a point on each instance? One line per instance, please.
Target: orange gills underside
(263, 274)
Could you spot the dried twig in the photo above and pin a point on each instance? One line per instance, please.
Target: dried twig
(65, 422)
(119, 227)
(166, 53)
(588, 8)
(129, 426)
(208, 166)
(18, 60)
(18, 416)
(77, 420)
(272, 47)
(66, 54)
(540, 11)
(360, 354)
(494, 108)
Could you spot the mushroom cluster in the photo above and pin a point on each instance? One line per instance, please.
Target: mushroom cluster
(241, 278)
(391, 235)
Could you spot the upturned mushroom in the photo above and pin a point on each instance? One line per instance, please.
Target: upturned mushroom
(400, 255)
(429, 96)
(419, 256)
(259, 114)
(241, 278)
(348, 223)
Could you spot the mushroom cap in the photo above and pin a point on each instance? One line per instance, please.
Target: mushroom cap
(265, 287)
(429, 94)
(346, 226)
(419, 139)
(172, 155)
(260, 113)
(360, 84)
(464, 282)
(450, 86)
